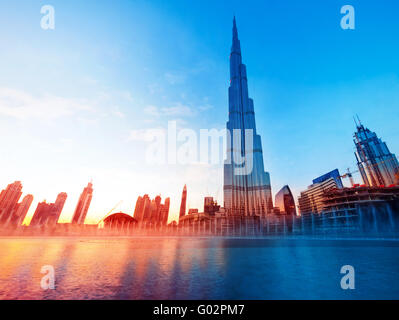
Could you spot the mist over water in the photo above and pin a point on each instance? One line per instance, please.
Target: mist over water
(197, 268)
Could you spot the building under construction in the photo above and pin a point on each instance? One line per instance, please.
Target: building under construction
(372, 209)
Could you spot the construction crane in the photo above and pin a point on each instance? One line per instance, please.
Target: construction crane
(349, 175)
(109, 213)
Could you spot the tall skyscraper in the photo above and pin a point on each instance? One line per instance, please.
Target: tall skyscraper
(47, 214)
(56, 209)
(183, 202)
(165, 212)
(147, 209)
(156, 210)
(83, 205)
(377, 165)
(246, 191)
(41, 213)
(9, 198)
(142, 209)
(138, 209)
(20, 211)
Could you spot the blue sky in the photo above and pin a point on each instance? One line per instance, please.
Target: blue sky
(75, 101)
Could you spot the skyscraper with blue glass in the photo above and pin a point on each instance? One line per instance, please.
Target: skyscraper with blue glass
(247, 190)
(377, 165)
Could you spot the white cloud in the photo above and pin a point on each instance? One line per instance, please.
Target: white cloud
(176, 110)
(22, 105)
(206, 107)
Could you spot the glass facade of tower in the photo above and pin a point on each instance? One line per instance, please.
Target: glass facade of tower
(332, 174)
(285, 201)
(377, 165)
(247, 188)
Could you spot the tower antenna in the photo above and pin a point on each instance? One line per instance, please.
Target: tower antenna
(360, 123)
(354, 119)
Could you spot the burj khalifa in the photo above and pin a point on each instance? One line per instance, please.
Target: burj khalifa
(247, 190)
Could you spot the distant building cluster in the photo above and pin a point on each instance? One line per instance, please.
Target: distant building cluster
(151, 213)
(13, 212)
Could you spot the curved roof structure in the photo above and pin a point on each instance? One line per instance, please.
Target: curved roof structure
(119, 218)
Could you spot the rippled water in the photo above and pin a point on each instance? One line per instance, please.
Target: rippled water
(184, 268)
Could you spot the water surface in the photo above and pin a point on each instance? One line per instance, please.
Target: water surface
(197, 268)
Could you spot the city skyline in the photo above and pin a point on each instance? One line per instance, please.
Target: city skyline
(297, 146)
(371, 153)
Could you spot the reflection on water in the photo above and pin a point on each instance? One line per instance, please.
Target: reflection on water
(184, 268)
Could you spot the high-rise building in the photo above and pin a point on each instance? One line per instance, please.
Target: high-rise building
(56, 209)
(183, 202)
(151, 213)
(285, 201)
(147, 209)
(83, 205)
(377, 165)
(20, 211)
(156, 210)
(9, 198)
(41, 214)
(142, 208)
(332, 174)
(138, 209)
(165, 212)
(312, 199)
(247, 188)
(47, 214)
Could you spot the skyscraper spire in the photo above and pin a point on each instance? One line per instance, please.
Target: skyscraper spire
(235, 33)
(235, 48)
